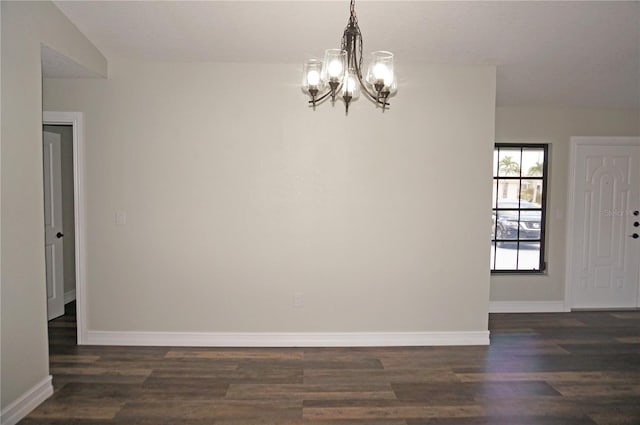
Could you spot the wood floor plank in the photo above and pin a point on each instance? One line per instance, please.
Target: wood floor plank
(617, 418)
(340, 376)
(629, 340)
(368, 421)
(269, 375)
(212, 409)
(622, 389)
(124, 370)
(567, 407)
(86, 401)
(76, 411)
(181, 388)
(506, 420)
(66, 420)
(626, 315)
(579, 368)
(61, 380)
(310, 392)
(253, 353)
(392, 412)
(353, 363)
(177, 366)
(586, 378)
(57, 359)
(459, 393)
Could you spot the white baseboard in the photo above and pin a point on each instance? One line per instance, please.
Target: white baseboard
(287, 339)
(20, 408)
(69, 296)
(527, 307)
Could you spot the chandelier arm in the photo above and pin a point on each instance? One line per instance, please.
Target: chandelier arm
(326, 94)
(373, 97)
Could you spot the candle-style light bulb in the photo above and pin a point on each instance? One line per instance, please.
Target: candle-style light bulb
(333, 69)
(350, 88)
(312, 83)
(380, 74)
(313, 77)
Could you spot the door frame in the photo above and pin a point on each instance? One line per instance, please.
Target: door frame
(575, 143)
(75, 120)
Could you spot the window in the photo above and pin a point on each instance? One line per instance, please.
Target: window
(519, 192)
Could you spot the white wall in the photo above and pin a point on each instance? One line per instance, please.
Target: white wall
(237, 195)
(24, 322)
(554, 126)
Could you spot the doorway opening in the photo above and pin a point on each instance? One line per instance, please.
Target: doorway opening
(72, 158)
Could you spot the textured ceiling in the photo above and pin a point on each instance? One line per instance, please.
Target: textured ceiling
(547, 53)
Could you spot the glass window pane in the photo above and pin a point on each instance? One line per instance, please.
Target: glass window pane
(529, 225)
(517, 200)
(532, 160)
(507, 225)
(531, 193)
(506, 256)
(508, 193)
(509, 162)
(529, 256)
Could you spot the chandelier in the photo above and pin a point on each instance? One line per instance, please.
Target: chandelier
(340, 74)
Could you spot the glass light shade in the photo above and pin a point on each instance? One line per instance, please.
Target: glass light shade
(311, 75)
(380, 69)
(351, 85)
(333, 69)
(393, 89)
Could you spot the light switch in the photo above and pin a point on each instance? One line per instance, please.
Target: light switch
(121, 218)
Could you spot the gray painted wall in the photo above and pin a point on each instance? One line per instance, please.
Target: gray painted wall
(25, 26)
(238, 195)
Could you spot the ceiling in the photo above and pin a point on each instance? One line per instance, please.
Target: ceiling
(560, 53)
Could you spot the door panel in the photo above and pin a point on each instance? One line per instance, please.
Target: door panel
(53, 238)
(605, 257)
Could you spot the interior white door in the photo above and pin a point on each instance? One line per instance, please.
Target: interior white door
(605, 252)
(53, 237)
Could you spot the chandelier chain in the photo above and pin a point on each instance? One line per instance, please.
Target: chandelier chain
(352, 41)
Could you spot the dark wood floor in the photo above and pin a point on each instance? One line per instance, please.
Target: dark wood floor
(561, 369)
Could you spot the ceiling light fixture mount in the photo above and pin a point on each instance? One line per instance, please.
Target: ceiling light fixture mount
(341, 72)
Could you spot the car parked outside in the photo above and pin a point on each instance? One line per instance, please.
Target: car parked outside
(514, 224)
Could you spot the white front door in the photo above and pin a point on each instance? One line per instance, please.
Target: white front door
(53, 237)
(605, 232)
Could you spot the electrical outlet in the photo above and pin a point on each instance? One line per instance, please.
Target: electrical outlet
(298, 300)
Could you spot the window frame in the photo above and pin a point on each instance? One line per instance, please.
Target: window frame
(542, 264)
